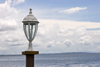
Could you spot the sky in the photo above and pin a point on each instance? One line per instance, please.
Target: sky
(64, 26)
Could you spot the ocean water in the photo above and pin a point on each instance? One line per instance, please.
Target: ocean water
(54, 60)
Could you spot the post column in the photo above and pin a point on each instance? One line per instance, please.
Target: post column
(30, 57)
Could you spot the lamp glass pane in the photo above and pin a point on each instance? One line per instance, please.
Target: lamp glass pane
(26, 30)
(32, 30)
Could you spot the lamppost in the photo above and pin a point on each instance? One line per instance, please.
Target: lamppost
(30, 25)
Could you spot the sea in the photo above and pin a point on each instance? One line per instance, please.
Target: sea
(53, 60)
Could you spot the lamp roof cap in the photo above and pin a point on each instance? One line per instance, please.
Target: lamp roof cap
(30, 17)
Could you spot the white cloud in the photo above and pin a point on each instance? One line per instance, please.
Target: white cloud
(8, 25)
(7, 16)
(43, 30)
(80, 30)
(18, 1)
(6, 9)
(68, 24)
(11, 36)
(86, 40)
(50, 44)
(73, 10)
(68, 42)
(60, 33)
(3, 48)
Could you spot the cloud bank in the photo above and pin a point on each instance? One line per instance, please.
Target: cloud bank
(53, 36)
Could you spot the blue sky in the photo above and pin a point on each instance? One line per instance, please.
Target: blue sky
(54, 6)
(65, 26)
(90, 14)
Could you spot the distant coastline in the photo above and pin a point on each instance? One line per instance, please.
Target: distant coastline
(74, 53)
(55, 53)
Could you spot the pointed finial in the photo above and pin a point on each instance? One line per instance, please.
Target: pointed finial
(30, 11)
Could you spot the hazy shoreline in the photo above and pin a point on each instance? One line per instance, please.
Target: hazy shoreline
(54, 53)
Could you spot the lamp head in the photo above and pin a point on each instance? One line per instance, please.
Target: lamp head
(30, 26)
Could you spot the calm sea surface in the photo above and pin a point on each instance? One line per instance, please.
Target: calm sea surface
(54, 60)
